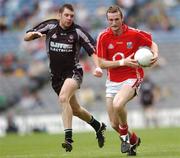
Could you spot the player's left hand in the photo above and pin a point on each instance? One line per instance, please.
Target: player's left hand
(130, 61)
(98, 72)
(154, 59)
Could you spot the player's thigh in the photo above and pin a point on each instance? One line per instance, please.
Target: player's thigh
(69, 87)
(125, 94)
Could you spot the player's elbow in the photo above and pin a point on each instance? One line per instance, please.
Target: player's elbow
(154, 46)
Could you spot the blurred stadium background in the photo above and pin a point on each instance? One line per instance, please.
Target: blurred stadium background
(27, 101)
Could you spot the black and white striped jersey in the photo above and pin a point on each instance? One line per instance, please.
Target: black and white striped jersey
(63, 46)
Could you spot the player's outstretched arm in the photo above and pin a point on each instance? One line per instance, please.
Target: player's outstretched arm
(32, 35)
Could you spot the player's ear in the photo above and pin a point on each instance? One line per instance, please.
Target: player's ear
(122, 17)
(59, 15)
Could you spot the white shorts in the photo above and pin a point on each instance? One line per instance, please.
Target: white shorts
(112, 88)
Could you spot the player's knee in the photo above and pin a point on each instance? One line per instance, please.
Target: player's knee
(63, 99)
(118, 105)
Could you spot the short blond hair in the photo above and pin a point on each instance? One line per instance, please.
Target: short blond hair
(114, 9)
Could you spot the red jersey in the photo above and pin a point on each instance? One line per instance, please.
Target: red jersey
(111, 47)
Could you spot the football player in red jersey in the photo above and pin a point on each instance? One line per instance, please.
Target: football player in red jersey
(116, 46)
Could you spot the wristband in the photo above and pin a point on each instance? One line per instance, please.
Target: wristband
(121, 62)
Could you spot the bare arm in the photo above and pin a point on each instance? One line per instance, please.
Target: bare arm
(104, 64)
(95, 59)
(32, 35)
(97, 71)
(129, 61)
(154, 49)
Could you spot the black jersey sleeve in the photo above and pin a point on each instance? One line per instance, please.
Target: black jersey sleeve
(86, 41)
(45, 26)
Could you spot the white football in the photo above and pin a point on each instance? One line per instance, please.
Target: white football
(143, 56)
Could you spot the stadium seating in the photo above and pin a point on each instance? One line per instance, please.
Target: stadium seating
(165, 76)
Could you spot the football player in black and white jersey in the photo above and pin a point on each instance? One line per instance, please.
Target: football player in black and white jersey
(64, 39)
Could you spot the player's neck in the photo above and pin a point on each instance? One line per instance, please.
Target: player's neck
(117, 32)
(63, 26)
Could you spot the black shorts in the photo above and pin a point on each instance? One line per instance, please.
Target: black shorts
(57, 81)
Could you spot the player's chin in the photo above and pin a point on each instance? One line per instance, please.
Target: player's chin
(115, 28)
(68, 24)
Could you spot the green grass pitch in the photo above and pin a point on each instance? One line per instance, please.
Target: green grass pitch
(156, 143)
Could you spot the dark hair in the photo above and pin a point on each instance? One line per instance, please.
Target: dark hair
(114, 9)
(68, 6)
